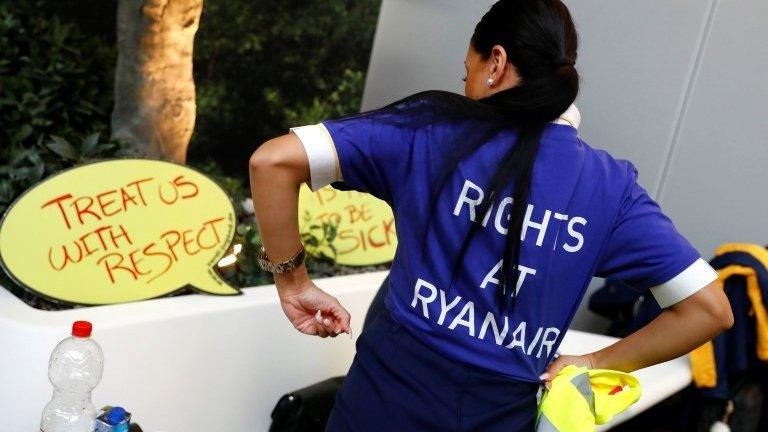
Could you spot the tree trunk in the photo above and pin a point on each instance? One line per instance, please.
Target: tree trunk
(154, 88)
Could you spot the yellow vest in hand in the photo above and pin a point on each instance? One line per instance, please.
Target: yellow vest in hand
(581, 398)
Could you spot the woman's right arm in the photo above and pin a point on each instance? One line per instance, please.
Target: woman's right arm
(678, 330)
(645, 250)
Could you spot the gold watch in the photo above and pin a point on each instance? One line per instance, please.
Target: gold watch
(283, 266)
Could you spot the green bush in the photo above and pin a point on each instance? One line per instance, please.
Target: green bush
(260, 67)
(264, 66)
(55, 97)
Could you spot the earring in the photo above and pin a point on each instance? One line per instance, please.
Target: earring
(490, 82)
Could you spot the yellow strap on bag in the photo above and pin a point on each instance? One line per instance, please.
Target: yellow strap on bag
(754, 293)
(581, 398)
(703, 364)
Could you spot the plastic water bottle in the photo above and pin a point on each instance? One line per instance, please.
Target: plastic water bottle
(74, 370)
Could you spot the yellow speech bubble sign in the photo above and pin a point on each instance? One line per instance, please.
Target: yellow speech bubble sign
(366, 227)
(118, 231)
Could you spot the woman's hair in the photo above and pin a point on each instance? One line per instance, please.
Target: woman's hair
(540, 40)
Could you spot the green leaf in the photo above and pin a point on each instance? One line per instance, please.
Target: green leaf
(327, 251)
(62, 147)
(89, 143)
(22, 174)
(37, 172)
(22, 134)
(20, 156)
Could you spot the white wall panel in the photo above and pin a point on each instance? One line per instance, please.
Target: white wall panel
(716, 189)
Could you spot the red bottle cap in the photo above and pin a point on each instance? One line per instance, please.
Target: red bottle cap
(82, 329)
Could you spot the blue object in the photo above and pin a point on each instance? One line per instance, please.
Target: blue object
(116, 415)
(396, 383)
(587, 215)
(117, 419)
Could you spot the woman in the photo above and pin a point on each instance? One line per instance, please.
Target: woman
(503, 216)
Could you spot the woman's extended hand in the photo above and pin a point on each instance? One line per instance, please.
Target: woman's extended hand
(301, 306)
(562, 361)
(277, 170)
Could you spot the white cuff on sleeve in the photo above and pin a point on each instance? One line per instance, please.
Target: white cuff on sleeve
(321, 152)
(696, 276)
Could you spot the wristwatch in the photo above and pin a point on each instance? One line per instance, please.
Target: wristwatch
(283, 266)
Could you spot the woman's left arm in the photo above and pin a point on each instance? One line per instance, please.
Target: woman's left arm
(276, 170)
(678, 330)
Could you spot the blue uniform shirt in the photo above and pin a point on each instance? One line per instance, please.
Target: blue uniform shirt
(586, 215)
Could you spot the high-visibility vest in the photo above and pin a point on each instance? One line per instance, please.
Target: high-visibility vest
(581, 398)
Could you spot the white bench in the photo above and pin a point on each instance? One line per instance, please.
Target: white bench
(200, 363)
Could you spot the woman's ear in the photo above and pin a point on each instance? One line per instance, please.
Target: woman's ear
(498, 62)
(502, 71)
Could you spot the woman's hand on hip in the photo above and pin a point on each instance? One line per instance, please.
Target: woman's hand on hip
(562, 361)
(313, 311)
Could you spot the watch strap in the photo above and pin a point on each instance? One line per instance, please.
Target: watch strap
(283, 266)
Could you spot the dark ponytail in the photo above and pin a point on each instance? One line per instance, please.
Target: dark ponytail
(541, 42)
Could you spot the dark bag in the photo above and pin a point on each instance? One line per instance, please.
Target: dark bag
(627, 309)
(306, 410)
(742, 412)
